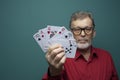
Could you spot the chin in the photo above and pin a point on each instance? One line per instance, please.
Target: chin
(83, 46)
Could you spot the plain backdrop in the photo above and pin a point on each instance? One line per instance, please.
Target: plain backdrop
(20, 56)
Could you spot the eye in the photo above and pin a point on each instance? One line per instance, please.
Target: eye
(87, 30)
(77, 29)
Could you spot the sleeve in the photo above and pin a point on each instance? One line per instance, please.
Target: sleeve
(47, 77)
(58, 77)
(114, 72)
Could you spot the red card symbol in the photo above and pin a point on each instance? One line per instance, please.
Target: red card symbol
(42, 35)
(59, 32)
(48, 32)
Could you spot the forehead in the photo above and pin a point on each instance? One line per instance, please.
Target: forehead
(86, 22)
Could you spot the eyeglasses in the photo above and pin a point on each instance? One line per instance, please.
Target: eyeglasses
(87, 30)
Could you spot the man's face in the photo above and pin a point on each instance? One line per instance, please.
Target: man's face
(83, 32)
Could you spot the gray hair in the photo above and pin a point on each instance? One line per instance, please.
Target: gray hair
(81, 15)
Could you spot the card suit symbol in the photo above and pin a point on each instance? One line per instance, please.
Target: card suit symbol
(66, 36)
(48, 32)
(65, 51)
(68, 50)
(42, 35)
(52, 34)
(60, 32)
(39, 39)
(71, 45)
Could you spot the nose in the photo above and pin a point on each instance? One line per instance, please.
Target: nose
(82, 33)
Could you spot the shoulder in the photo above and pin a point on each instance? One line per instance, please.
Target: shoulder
(102, 52)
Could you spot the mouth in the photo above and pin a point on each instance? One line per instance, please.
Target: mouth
(82, 41)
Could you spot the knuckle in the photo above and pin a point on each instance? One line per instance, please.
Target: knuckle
(61, 62)
(58, 57)
(54, 51)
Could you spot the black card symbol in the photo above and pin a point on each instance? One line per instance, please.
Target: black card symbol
(52, 34)
(39, 39)
(68, 50)
(66, 36)
(38, 36)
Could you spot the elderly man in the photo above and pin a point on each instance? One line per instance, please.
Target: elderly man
(90, 63)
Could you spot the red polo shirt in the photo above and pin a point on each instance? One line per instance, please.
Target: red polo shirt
(100, 66)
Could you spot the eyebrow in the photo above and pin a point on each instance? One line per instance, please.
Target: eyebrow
(79, 27)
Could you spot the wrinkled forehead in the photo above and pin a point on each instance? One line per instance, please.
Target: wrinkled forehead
(86, 22)
(81, 15)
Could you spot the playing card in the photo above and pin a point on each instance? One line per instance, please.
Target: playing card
(39, 39)
(68, 45)
(66, 35)
(56, 34)
(60, 32)
(51, 31)
(71, 50)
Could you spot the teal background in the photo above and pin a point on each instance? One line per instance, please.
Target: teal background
(20, 56)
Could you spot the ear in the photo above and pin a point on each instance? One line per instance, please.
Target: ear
(94, 33)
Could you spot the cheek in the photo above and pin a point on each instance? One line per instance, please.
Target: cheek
(90, 38)
(76, 37)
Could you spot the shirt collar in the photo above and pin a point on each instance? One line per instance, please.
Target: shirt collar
(93, 53)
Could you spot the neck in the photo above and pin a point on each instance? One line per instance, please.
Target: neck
(85, 51)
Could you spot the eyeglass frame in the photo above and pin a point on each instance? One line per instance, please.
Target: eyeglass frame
(82, 29)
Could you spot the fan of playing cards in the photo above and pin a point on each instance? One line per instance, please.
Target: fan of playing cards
(56, 34)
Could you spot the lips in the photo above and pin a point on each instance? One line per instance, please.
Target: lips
(82, 40)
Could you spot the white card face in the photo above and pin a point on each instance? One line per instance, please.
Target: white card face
(51, 31)
(60, 32)
(68, 45)
(38, 39)
(55, 34)
(66, 35)
(73, 47)
(43, 38)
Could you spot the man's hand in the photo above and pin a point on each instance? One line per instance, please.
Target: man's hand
(56, 58)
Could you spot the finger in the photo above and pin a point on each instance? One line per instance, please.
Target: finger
(50, 57)
(52, 47)
(58, 57)
(61, 62)
(56, 52)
